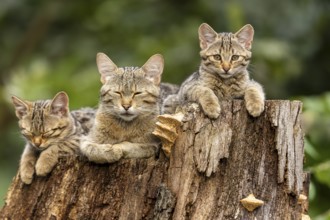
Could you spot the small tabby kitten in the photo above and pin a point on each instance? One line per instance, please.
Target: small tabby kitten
(126, 117)
(50, 131)
(222, 74)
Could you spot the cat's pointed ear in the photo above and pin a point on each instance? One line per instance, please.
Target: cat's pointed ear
(245, 36)
(60, 104)
(21, 106)
(105, 66)
(153, 68)
(206, 35)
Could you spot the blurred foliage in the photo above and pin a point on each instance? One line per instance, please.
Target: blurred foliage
(316, 120)
(48, 46)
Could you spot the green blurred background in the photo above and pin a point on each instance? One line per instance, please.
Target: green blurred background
(48, 46)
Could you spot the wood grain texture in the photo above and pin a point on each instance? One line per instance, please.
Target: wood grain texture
(213, 165)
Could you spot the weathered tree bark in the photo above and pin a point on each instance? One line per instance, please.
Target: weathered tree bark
(213, 165)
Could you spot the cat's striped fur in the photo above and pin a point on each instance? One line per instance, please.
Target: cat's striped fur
(127, 113)
(50, 130)
(222, 74)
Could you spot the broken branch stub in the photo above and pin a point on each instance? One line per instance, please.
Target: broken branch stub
(167, 130)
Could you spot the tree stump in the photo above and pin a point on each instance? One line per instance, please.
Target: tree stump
(213, 165)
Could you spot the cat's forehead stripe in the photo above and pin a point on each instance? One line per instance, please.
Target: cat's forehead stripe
(38, 115)
(129, 76)
(226, 43)
(129, 69)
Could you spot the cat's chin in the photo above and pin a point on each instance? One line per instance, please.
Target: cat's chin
(225, 75)
(40, 148)
(127, 117)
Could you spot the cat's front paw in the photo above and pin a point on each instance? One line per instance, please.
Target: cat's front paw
(113, 153)
(255, 108)
(211, 108)
(42, 169)
(254, 99)
(26, 175)
(101, 153)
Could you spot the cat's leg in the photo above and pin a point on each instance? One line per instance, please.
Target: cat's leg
(47, 160)
(207, 99)
(170, 104)
(27, 164)
(254, 99)
(100, 153)
(107, 153)
(136, 150)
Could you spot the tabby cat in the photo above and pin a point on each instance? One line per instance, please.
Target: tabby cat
(50, 130)
(222, 74)
(126, 116)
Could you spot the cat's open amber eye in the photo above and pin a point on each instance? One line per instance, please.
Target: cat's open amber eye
(234, 57)
(217, 57)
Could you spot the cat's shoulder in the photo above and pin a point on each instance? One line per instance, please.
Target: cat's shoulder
(193, 79)
(167, 89)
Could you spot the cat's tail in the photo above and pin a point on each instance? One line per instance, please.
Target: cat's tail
(100, 153)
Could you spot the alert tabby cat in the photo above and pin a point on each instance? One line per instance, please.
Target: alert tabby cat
(50, 130)
(222, 74)
(126, 116)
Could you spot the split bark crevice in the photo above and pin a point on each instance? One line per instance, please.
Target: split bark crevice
(211, 167)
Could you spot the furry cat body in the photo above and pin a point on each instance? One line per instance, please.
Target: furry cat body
(222, 74)
(126, 117)
(167, 89)
(84, 117)
(50, 130)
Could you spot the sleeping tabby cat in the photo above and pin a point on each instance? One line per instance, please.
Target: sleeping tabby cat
(222, 74)
(126, 116)
(50, 130)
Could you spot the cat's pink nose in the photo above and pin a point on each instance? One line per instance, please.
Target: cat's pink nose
(226, 68)
(37, 141)
(126, 106)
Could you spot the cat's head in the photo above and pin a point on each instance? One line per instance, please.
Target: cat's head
(130, 92)
(225, 54)
(44, 122)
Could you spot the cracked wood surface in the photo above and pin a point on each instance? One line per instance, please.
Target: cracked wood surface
(212, 166)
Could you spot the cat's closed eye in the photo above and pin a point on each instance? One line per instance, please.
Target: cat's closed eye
(107, 98)
(149, 100)
(137, 94)
(53, 131)
(27, 133)
(49, 132)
